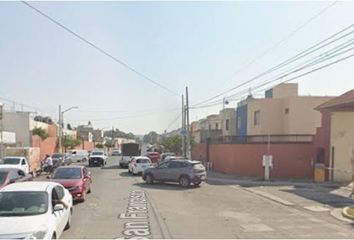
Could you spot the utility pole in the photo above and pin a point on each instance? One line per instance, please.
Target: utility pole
(60, 131)
(183, 128)
(189, 145)
(112, 143)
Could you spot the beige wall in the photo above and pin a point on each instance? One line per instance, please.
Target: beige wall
(300, 119)
(19, 123)
(228, 114)
(342, 140)
(270, 117)
(285, 90)
(214, 122)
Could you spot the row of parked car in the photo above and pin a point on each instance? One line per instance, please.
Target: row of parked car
(40, 209)
(169, 168)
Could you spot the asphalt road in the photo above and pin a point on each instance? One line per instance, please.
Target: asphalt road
(123, 206)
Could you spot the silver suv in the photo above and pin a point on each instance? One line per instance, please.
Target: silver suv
(184, 172)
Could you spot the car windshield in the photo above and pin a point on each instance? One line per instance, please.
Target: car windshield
(11, 161)
(142, 160)
(96, 153)
(2, 177)
(67, 173)
(23, 203)
(57, 155)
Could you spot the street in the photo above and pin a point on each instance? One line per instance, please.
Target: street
(214, 210)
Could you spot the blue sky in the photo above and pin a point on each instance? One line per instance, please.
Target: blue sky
(178, 44)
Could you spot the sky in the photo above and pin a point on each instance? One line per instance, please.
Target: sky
(208, 46)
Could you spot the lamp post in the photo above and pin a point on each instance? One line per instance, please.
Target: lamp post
(61, 125)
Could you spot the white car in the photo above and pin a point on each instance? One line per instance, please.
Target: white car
(79, 155)
(139, 164)
(15, 162)
(34, 210)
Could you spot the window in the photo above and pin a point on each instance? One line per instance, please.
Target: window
(227, 124)
(23, 162)
(257, 118)
(60, 192)
(286, 111)
(216, 125)
(13, 175)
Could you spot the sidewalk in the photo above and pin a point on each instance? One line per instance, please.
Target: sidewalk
(254, 181)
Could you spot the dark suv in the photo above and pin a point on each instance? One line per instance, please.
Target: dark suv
(184, 172)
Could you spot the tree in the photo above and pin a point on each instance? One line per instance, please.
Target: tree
(152, 137)
(173, 144)
(39, 132)
(109, 144)
(70, 142)
(99, 145)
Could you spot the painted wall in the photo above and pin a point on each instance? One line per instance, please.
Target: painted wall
(285, 116)
(342, 141)
(46, 146)
(19, 123)
(241, 120)
(230, 115)
(289, 160)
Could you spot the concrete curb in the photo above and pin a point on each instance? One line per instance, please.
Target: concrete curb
(337, 213)
(346, 214)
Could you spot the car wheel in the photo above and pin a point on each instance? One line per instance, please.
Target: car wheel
(68, 224)
(149, 179)
(197, 183)
(54, 236)
(184, 181)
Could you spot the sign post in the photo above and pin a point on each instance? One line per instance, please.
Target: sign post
(267, 165)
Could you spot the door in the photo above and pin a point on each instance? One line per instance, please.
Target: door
(24, 166)
(160, 172)
(174, 170)
(62, 215)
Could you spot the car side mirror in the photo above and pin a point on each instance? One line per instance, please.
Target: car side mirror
(58, 207)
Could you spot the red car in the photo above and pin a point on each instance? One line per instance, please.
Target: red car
(76, 179)
(12, 175)
(154, 156)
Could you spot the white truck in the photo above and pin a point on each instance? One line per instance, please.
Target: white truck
(24, 158)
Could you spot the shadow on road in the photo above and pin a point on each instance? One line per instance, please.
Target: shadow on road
(127, 174)
(164, 186)
(323, 196)
(110, 167)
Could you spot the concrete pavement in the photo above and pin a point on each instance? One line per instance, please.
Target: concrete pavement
(215, 210)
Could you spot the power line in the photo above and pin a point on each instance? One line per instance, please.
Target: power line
(298, 56)
(293, 78)
(99, 49)
(322, 11)
(174, 121)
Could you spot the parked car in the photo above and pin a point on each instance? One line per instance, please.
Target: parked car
(184, 172)
(79, 155)
(154, 156)
(34, 210)
(116, 153)
(15, 162)
(12, 175)
(169, 158)
(139, 164)
(98, 157)
(164, 155)
(76, 179)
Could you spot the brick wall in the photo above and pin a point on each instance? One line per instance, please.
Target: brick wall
(289, 160)
(86, 145)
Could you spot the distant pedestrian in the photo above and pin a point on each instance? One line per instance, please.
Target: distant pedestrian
(49, 162)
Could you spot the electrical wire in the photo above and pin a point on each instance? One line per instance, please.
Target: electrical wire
(99, 49)
(298, 56)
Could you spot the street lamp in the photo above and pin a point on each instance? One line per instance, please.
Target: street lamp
(61, 124)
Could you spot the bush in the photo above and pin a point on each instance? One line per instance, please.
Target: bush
(39, 132)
